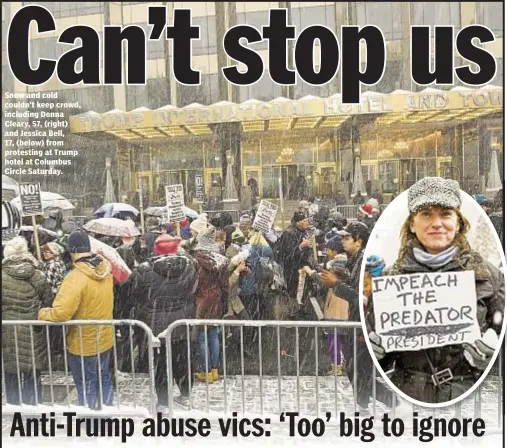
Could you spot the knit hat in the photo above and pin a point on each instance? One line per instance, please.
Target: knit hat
(17, 246)
(79, 242)
(356, 230)
(54, 248)
(238, 237)
(375, 265)
(166, 245)
(434, 191)
(299, 216)
(366, 209)
(335, 244)
(304, 204)
(207, 240)
(200, 224)
(245, 220)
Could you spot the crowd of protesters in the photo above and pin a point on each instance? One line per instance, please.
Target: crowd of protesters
(202, 268)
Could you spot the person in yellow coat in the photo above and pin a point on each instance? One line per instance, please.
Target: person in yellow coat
(86, 293)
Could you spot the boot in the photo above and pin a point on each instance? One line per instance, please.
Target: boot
(335, 369)
(214, 374)
(204, 377)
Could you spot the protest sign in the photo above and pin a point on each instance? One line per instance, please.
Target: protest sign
(175, 200)
(31, 202)
(265, 216)
(420, 311)
(199, 188)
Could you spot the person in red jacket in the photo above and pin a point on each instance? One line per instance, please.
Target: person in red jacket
(210, 301)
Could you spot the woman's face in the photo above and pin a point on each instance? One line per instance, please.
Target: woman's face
(435, 228)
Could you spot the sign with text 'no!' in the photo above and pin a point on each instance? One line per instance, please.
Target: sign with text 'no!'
(31, 202)
(265, 216)
(175, 200)
(420, 311)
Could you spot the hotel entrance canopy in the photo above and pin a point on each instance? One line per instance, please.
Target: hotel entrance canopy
(460, 105)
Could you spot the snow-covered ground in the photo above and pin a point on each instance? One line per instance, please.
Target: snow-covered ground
(244, 396)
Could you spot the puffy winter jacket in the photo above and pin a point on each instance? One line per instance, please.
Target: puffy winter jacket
(24, 292)
(162, 292)
(86, 293)
(213, 288)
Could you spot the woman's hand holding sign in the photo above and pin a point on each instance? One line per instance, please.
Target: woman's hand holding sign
(479, 353)
(376, 345)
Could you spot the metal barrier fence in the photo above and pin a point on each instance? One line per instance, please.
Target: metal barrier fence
(123, 332)
(258, 362)
(350, 211)
(277, 326)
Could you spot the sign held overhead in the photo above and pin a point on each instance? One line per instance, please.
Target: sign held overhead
(265, 216)
(31, 202)
(175, 200)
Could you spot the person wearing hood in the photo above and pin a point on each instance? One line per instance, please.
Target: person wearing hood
(86, 293)
(162, 292)
(295, 251)
(24, 291)
(210, 301)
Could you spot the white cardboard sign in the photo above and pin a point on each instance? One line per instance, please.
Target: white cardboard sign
(265, 216)
(175, 199)
(426, 310)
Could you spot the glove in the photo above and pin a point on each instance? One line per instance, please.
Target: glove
(480, 353)
(376, 346)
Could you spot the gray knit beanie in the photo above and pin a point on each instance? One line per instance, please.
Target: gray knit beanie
(434, 191)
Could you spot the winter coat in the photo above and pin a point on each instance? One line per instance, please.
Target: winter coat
(24, 292)
(213, 285)
(163, 292)
(250, 280)
(413, 370)
(85, 294)
(292, 258)
(349, 291)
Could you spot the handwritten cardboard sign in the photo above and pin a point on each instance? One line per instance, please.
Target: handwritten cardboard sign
(175, 200)
(420, 311)
(265, 216)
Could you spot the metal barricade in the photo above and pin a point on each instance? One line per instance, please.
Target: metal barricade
(348, 211)
(261, 386)
(91, 374)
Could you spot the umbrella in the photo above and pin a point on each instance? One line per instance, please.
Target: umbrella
(112, 227)
(161, 211)
(114, 208)
(49, 200)
(120, 270)
(8, 181)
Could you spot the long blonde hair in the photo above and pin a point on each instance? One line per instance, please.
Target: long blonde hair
(408, 239)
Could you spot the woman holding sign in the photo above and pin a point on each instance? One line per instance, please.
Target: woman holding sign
(438, 350)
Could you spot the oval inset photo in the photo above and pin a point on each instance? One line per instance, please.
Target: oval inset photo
(433, 279)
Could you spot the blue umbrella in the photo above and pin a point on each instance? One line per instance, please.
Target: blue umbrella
(115, 208)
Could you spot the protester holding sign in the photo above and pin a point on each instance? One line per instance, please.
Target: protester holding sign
(435, 256)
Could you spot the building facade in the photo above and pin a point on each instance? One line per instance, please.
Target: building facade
(282, 140)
